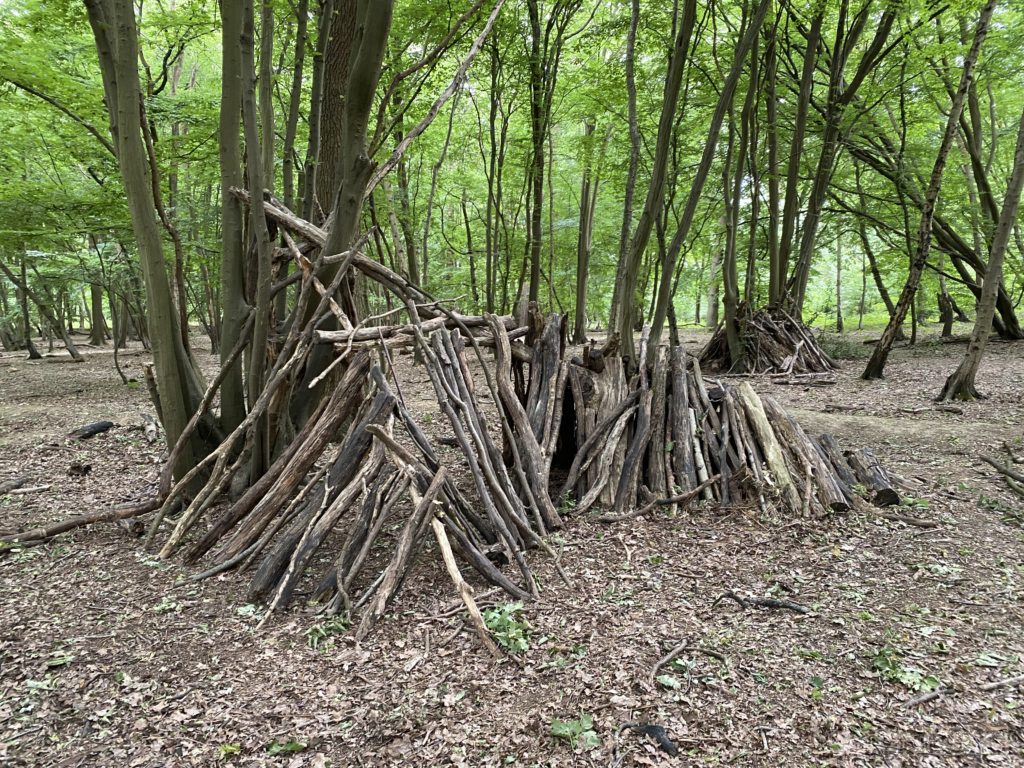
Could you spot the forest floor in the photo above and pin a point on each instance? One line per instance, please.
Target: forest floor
(109, 657)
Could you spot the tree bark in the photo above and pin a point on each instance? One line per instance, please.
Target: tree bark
(876, 365)
(634, 160)
(664, 296)
(116, 37)
(625, 288)
(961, 385)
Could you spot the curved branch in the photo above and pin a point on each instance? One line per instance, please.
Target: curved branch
(66, 110)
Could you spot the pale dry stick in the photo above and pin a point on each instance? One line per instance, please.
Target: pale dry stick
(394, 573)
(685, 647)
(352, 332)
(683, 498)
(1019, 679)
(307, 266)
(464, 590)
(460, 74)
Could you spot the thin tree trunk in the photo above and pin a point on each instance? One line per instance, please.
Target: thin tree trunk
(634, 160)
(232, 265)
(98, 327)
(876, 365)
(26, 321)
(664, 295)
(584, 237)
(796, 148)
(254, 155)
(839, 283)
(961, 384)
(316, 100)
(116, 36)
(625, 287)
(294, 102)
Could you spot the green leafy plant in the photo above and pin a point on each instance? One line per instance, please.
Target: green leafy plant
(285, 747)
(226, 750)
(508, 625)
(166, 605)
(817, 688)
(669, 682)
(578, 732)
(318, 633)
(889, 664)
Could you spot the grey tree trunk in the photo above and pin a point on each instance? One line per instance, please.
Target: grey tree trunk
(961, 385)
(232, 265)
(876, 365)
(625, 289)
(664, 295)
(179, 385)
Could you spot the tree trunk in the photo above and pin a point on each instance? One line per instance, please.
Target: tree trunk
(625, 287)
(371, 33)
(584, 239)
(664, 295)
(336, 62)
(232, 265)
(960, 385)
(310, 207)
(634, 160)
(26, 321)
(876, 365)
(294, 101)
(791, 203)
(116, 37)
(839, 283)
(98, 327)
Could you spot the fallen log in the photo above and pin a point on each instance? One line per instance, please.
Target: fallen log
(90, 430)
(872, 477)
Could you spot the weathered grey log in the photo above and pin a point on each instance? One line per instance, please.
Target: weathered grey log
(396, 570)
(770, 447)
(657, 479)
(873, 477)
(596, 395)
(684, 471)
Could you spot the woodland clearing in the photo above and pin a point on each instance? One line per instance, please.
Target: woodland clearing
(109, 656)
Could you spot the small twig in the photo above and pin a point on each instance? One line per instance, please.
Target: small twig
(685, 647)
(683, 498)
(762, 602)
(918, 522)
(1003, 683)
(29, 489)
(924, 698)
(1003, 469)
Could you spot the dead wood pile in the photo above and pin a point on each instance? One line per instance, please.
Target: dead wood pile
(665, 437)
(774, 342)
(361, 486)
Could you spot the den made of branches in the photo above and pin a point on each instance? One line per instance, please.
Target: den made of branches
(547, 437)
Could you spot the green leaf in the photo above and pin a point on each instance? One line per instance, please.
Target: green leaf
(285, 747)
(669, 682)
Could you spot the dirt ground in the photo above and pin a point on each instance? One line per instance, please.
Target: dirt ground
(109, 657)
